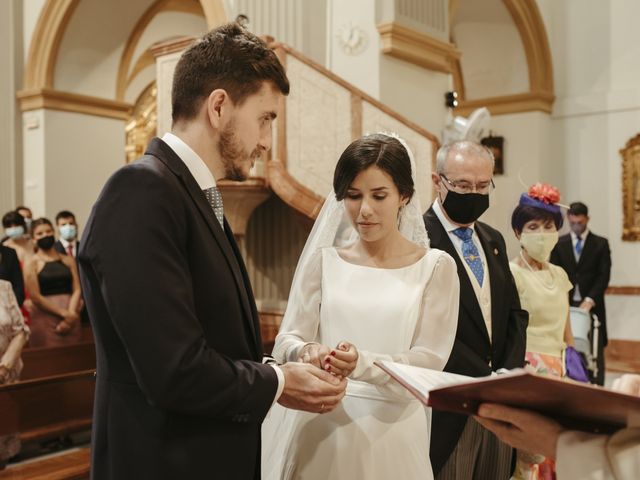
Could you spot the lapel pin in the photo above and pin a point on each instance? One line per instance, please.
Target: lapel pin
(495, 251)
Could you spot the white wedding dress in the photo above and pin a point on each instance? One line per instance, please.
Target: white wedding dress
(379, 431)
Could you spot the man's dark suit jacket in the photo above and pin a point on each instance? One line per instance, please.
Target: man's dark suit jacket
(180, 390)
(473, 353)
(591, 273)
(11, 272)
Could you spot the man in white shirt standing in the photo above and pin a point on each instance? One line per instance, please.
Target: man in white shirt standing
(491, 325)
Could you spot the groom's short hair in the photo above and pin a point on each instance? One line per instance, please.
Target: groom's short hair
(229, 57)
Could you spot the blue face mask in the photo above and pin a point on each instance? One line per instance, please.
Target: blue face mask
(14, 232)
(68, 232)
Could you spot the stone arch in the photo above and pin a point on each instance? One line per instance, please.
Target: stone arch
(49, 31)
(540, 95)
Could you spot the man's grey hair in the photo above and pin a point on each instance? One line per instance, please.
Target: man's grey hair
(461, 146)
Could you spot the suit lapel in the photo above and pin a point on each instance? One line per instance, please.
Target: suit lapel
(589, 244)
(166, 155)
(568, 251)
(439, 238)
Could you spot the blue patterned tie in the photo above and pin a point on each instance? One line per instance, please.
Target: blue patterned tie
(470, 252)
(578, 245)
(215, 200)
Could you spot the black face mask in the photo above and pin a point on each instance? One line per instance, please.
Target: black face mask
(465, 208)
(45, 243)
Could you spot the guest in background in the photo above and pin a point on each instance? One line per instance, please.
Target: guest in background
(13, 335)
(491, 324)
(53, 284)
(68, 230)
(543, 289)
(586, 258)
(10, 271)
(17, 235)
(27, 214)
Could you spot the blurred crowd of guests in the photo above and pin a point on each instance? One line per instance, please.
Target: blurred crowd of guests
(40, 300)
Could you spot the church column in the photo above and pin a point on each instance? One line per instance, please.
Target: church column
(10, 132)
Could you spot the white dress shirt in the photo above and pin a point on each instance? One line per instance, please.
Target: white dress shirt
(66, 244)
(483, 292)
(205, 180)
(577, 296)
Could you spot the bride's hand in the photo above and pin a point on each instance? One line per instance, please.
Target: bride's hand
(313, 353)
(342, 360)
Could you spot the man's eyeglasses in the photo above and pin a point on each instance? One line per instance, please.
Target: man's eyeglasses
(462, 186)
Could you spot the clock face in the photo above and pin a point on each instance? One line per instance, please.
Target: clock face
(352, 39)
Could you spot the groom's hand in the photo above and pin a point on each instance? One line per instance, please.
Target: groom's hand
(310, 389)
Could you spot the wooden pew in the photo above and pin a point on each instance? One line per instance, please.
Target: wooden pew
(46, 361)
(73, 465)
(47, 407)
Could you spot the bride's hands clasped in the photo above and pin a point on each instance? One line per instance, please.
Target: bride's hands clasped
(342, 360)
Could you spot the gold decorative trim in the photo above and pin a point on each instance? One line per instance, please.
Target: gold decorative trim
(171, 46)
(356, 117)
(214, 12)
(45, 43)
(417, 48)
(72, 102)
(529, 22)
(631, 190)
(145, 60)
(518, 103)
(124, 76)
(623, 290)
(540, 97)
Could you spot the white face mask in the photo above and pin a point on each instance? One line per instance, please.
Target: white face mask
(14, 232)
(68, 231)
(539, 245)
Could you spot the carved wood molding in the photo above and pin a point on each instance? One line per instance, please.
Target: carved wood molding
(292, 192)
(518, 103)
(417, 48)
(72, 102)
(622, 356)
(241, 199)
(623, 290)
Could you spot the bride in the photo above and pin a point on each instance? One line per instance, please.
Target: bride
(367, 287)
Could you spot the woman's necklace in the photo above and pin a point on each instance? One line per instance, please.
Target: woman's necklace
(548, 285)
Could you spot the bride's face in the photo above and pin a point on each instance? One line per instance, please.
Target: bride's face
(373, 202)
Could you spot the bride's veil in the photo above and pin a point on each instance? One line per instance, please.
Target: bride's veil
(334, 228)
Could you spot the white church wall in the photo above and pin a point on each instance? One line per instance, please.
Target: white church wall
(595, 46)
(68, 158)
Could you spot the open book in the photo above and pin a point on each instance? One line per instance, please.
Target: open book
(577, 406)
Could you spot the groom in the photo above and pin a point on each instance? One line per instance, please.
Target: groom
(181, 391)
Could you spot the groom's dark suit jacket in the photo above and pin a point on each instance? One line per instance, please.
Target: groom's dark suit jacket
(473, 353)
(180, 391)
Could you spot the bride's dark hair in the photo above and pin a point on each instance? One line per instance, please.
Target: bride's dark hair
(382, 151)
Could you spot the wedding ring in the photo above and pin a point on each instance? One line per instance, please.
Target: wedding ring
(322, 408)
